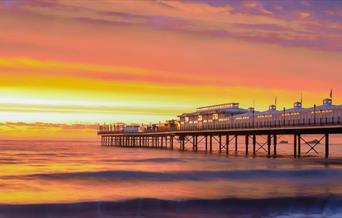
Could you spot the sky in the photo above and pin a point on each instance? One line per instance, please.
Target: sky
(73, 64)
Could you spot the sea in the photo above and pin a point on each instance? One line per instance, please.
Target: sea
(84, 179)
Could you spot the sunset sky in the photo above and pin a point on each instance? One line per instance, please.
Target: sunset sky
(86, 62)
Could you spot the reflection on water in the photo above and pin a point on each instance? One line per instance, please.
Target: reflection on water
(41, 172)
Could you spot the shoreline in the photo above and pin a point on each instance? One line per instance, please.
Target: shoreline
(327, 205)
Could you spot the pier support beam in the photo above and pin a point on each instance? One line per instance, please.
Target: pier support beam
(295, 146)
(227, 144)
(326, 145)
(220, 144)
(299, 145)
(254, 144)
(182, 143)
(171, 142)
(274, 145)
(206, 143)
(211, 143)
(196, 143)
(236, 145)
(193, 143)
(268, 145)
(246, 142)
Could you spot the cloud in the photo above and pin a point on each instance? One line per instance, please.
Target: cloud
(40, 130)
(206, 17)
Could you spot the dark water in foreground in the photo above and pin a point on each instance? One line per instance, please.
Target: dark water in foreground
(82, 179)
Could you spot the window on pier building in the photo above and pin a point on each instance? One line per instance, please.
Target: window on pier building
(215, 116)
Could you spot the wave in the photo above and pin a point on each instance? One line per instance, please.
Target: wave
(311, 175)
(310, 206)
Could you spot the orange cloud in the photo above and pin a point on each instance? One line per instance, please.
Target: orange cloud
(20, 130)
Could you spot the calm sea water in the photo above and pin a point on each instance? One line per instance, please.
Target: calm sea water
(83, 179)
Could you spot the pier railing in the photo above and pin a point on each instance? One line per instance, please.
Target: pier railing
(226, 126)
(271, 124)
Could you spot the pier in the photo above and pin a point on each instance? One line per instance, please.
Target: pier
(224, 125)
(255, 139)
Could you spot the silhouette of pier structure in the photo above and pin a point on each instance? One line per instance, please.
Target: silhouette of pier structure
(255, 139)
(225, 124)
